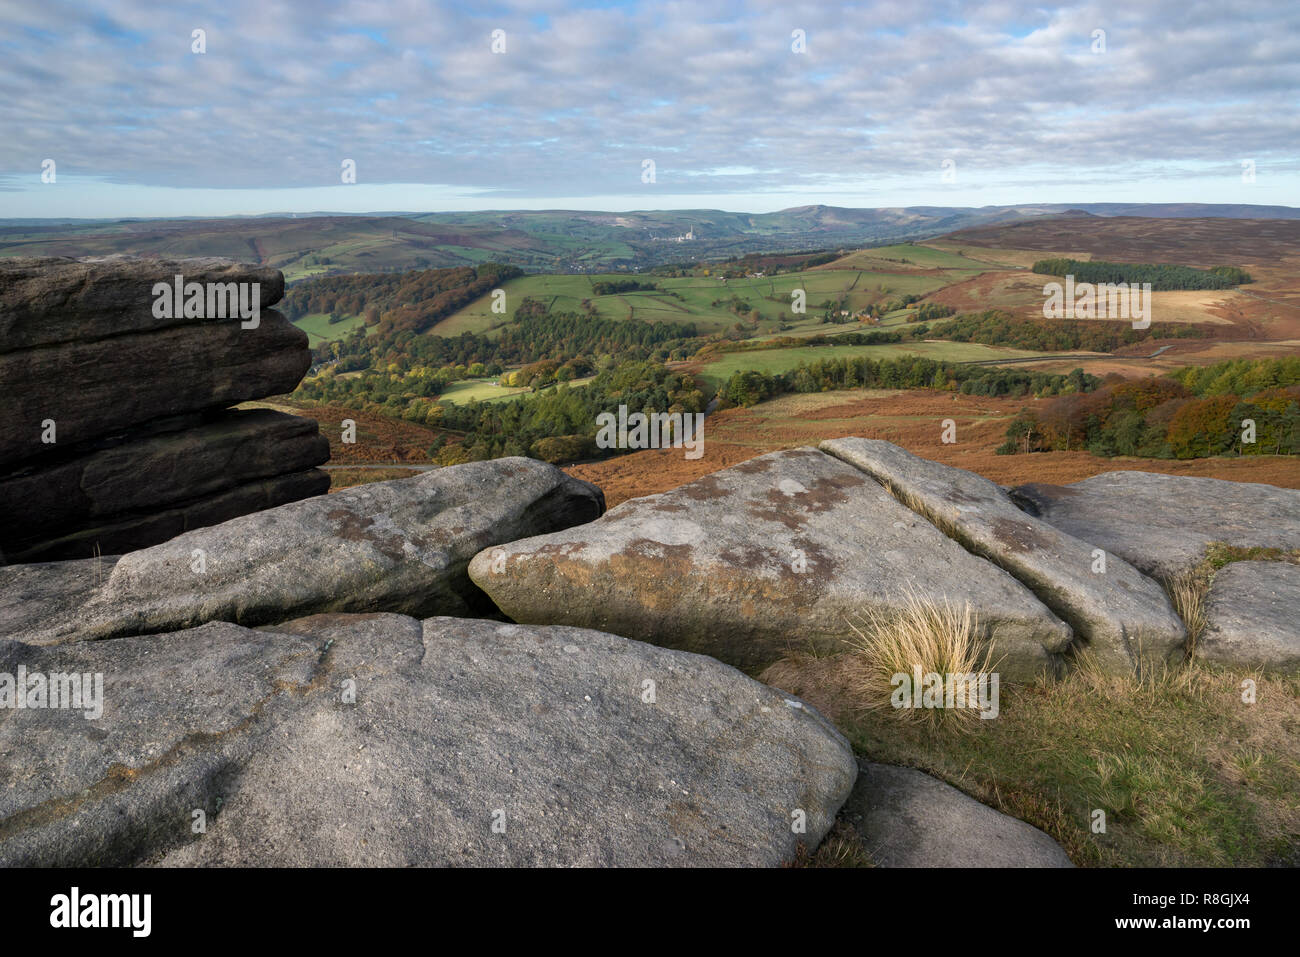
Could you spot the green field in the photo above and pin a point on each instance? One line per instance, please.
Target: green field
(295, 271)
(773, 361)
(485, 390)
(906, 256)
(705, 300)
(477, 390)
(319, 329)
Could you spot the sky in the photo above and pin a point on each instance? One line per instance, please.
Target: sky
(741, 106)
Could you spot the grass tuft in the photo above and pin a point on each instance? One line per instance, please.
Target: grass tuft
(1187, 591)
(934, 636)
(841, 848)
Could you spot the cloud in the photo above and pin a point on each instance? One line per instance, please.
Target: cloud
(713, 93)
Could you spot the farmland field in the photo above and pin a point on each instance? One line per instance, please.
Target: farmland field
(906, 256)
(319, 329)
(783, 360)
(297, 270)
(706, 301)
(478, 390)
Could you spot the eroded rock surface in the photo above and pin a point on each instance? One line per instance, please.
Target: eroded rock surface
(383, 740)
(1162, 524)
(114, 434)
(54, 299)
(1252, 617)
(781, 553)
(1121, 616)
(389, 546)
(100, 388)
(906, 818)
(120, 496)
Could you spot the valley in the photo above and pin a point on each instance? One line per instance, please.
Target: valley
(454, 367)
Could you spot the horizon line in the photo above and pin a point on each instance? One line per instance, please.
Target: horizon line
(664, 209)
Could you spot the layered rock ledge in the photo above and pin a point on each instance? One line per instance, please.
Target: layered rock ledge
(109, 402)
(400, 546)
(131, 495)
(49, 300)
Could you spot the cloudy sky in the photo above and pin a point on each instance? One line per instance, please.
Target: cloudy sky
(748, 106)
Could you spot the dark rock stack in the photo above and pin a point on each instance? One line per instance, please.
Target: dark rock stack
(117, 428)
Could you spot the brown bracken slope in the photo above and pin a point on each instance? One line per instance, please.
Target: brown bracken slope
(912, 419)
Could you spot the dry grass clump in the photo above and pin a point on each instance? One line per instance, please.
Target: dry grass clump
(1187, 589)
(841, 848)
(936, 637)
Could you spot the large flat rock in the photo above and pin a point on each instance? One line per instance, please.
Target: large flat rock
(780, 553)
(1252, 617)
(101, 388)
(143, 477)
(53, 299)
(382, 740)
(1162, 524)
(30, 591)
(906, 818)
(398, 546)
(1122, 617)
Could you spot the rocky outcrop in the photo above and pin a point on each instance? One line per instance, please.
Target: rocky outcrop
(188, 475)
(1121, 616)
(781, 553)
(384, 740)
(108, 402)
(53, 299)
(371, 733)
(906, 818)
(399, 546)
(1252, 617)
(102, 388)
(1161, 524)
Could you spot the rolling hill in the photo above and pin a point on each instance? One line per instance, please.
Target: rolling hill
(571, 241)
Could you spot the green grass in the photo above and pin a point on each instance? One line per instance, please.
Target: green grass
(477, 390)
(470, 253)
(691, 299)
(295, 271)
(773, 361)
(482, 390)
(918, 257)
(1186, 773)
(319, 329)
(349, 477)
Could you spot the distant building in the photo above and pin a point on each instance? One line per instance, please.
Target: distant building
(687, 237)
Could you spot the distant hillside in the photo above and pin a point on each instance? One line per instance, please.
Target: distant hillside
(1201, 241)
(562, 240)
(298, 246)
